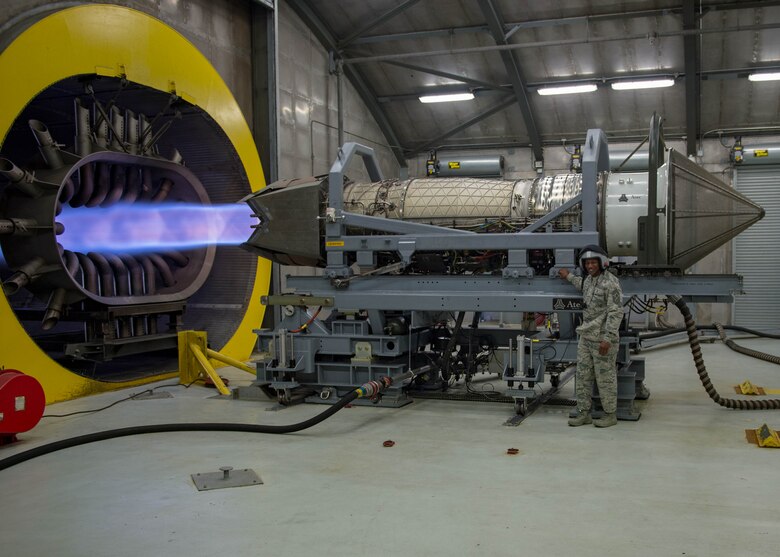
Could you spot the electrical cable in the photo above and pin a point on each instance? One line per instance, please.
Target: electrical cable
(370, 388)
(309, 322)
(18, 458)
(701, 369)
(131, 397)
(667, 332)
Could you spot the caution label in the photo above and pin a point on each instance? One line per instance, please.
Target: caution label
(335, 244)
(454, 165)
(761, 152)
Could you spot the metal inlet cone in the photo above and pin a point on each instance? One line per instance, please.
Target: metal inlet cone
(704, 212)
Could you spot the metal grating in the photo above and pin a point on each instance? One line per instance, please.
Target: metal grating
(755, 255)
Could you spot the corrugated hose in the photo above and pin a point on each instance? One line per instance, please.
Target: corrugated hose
(693, 340)
(742, 350)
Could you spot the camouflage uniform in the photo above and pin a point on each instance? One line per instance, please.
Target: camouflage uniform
(601, 317)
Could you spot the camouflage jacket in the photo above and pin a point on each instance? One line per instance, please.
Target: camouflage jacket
(603, 306)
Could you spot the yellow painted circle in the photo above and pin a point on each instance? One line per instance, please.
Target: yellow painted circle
(116, 41)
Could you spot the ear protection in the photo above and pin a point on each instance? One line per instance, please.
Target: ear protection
(594, 252)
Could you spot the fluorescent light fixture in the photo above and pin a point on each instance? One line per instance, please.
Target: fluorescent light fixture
(446, 97)
(566, 89)
(767, 76)
(642, 84)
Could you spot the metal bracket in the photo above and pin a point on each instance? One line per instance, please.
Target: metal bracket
(296, 300)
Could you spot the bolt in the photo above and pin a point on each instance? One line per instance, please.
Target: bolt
(225, 471)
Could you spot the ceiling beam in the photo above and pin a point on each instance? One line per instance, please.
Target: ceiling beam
(563, 42)
(355, 76)
(555, 22)
(427, 145)
(496, 25)
(692, 83)
(454, 77)
(376, 22)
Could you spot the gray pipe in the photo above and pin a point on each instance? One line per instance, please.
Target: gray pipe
(103, 185)
(165, 188)
(118, 179)
(122, 276)
(89, 274)
(68, 189)
(146, 183)
(23, 276)
(136, 274)
(150, 277)
(49, 149)
(17, 227)
(21, 179)
(71, 262)
(117, 130)
(87, 186)
(177, 257)
(54, 309)
(145, 134)
(83, 129)
(136, 287)
(133, 185)
(132, 132)
(105, 272)
(164, 268)
(150, 283)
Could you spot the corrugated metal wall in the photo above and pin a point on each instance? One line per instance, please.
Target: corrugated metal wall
(756, 251)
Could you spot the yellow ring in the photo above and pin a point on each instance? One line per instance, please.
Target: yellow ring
(116, 41)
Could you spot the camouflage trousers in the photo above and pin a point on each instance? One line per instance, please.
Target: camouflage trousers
(592, 365)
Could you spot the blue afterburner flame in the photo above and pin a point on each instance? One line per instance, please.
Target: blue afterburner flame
(147, 227)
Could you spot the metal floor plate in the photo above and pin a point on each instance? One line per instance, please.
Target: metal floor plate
(219, 480)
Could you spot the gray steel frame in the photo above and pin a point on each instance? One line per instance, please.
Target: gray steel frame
(519, 289)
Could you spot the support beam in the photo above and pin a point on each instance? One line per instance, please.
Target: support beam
(355, 76)
(496, 25)
(264, 101)
(508, 101)
(556, 22)
(454, 77)
(692, 83)
(557, 42)
(377, 22)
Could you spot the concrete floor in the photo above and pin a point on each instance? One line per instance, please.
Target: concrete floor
(681, 481)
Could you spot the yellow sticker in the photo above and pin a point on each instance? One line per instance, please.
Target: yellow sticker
(335, 244)
(454, 164)
(761, 153)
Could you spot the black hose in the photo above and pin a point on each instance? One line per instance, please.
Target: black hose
(667, 332)
(693, 340)
(167, 428)
(742, 350)
(447, 356)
